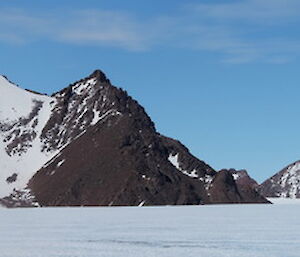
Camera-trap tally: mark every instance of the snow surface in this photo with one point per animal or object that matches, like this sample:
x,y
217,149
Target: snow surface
x,y
282,200
16,103
208,231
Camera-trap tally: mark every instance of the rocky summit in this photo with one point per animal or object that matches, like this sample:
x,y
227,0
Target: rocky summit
x,y
91,144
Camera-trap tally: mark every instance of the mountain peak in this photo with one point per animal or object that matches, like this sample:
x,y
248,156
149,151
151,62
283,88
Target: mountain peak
x,y
100,75
5,79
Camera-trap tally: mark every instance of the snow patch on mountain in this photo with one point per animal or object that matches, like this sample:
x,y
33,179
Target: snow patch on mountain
x,y
207,179
173,159
20,130
60,163
97,116
236,176
83,87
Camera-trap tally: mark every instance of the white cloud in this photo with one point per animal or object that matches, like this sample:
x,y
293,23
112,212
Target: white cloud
x,y
240,31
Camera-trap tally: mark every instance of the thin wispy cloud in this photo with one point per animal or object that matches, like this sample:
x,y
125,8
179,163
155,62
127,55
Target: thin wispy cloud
x,y
249,30
87,27
97,27
253,11
239,31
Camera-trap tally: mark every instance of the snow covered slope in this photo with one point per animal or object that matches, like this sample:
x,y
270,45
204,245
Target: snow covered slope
x,y
286,183
23,116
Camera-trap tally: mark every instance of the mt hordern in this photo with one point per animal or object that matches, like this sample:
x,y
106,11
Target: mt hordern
x,y
91,144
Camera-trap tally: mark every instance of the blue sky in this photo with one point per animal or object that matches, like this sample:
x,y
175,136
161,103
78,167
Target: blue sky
x,y
220,76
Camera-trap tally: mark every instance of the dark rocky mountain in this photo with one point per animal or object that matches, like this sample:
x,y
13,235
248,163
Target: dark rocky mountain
x,y
246,185
242,178
91,144
285,183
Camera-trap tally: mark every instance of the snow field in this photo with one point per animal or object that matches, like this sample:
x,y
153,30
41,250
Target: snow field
x,y
209,231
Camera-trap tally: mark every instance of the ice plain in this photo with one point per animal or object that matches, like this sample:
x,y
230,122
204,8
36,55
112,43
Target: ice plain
x,y
208,231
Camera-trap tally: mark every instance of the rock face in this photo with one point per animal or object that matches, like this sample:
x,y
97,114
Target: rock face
x,y
285,183
93,145
242,178
247,186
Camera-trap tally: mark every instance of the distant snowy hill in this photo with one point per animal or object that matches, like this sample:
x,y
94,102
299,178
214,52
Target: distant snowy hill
x,y
285,183
92,144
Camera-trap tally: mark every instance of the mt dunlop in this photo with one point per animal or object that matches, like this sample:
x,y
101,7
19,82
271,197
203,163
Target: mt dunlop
x,y
93,145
